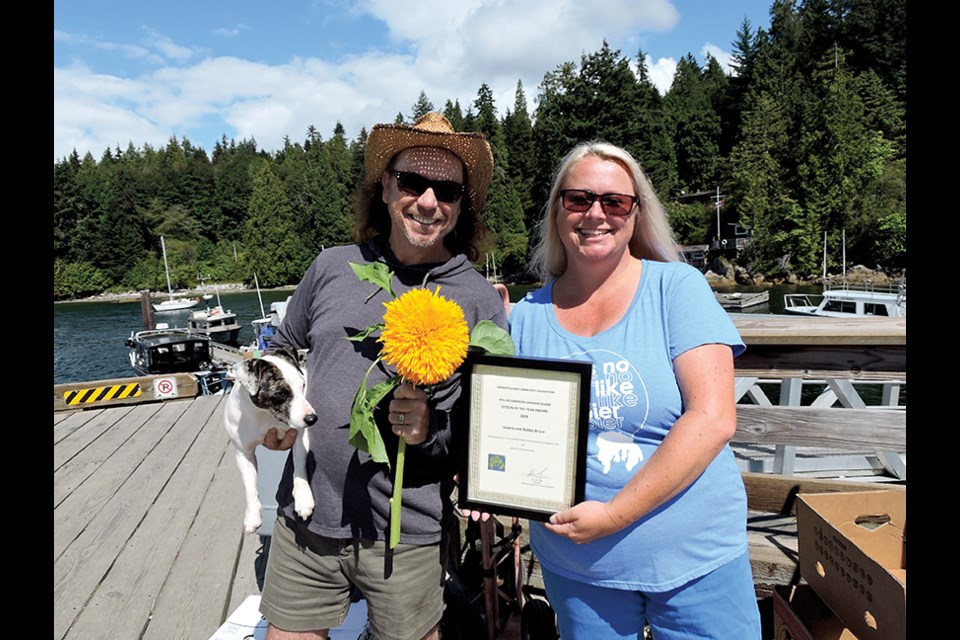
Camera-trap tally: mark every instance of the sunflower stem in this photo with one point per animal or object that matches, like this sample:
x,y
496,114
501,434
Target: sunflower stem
x,y
397,491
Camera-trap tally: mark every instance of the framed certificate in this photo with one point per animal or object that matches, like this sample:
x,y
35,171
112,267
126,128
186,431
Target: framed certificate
x,y
525,452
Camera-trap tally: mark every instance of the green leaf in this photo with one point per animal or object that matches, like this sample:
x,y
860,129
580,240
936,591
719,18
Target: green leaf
x,y
360,337
364,434
377,273
491,338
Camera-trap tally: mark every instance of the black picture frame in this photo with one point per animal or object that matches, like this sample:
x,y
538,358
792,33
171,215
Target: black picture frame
x,y
527,419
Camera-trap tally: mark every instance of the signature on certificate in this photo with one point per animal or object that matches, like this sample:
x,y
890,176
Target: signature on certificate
x,y
536,477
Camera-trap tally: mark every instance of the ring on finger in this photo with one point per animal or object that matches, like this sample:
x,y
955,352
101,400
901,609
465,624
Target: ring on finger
x,y
400,418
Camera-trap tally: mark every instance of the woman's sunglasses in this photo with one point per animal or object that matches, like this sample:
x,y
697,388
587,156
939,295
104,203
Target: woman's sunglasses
x,y
613,204
415,184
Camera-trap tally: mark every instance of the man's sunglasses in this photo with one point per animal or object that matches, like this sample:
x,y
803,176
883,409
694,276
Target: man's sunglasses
x,y
415,184
613,204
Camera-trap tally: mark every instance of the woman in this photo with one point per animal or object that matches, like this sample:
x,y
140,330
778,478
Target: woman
x,y
661,536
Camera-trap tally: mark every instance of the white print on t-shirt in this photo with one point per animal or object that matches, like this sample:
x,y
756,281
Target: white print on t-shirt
x,y
616,385
617,447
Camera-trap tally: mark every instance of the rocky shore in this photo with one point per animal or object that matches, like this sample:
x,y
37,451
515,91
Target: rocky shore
x,y
134,296
725,274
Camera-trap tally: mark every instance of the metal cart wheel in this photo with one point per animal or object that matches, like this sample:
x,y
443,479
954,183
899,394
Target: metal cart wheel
x,y
538,621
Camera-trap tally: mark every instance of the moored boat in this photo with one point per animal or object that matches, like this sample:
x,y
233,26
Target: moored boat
x,y
169,350
850,301
264,328
216,323
173,303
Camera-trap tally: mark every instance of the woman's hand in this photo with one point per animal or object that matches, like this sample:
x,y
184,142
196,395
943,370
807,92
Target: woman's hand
x,y
409,414
585,522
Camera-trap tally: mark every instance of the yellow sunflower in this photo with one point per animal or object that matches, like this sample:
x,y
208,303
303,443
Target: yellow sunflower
x,y
425,336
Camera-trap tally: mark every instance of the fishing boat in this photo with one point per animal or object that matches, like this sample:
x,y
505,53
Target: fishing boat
x,y
173,303
216,323
169,350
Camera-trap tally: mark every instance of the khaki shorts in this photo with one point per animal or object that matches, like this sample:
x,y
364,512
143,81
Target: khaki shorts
x,y
309,580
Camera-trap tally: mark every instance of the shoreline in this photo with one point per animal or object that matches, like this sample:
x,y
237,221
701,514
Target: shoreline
x,y
134,296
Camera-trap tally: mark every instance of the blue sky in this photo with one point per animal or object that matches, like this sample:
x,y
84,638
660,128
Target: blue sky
x,y
141,72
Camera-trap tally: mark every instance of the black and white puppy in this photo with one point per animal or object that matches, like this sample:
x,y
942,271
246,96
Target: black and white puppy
x,y
270,391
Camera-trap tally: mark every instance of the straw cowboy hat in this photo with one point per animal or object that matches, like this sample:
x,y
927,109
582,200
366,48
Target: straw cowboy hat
x,y
432,130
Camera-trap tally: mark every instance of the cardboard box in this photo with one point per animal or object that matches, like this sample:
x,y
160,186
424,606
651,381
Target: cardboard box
x,y
853,554
798,614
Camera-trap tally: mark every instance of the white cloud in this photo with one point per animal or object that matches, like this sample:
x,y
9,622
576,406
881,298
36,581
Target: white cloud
x,y
230,32
661,73
446,49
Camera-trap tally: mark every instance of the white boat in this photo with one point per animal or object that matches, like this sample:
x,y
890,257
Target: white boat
x,y
851,301
217,323
848,299
173,303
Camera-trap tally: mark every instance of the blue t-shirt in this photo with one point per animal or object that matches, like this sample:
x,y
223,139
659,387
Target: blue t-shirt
x,y
634,401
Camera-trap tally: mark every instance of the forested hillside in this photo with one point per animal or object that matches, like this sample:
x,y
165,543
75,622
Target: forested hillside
x,y
806,137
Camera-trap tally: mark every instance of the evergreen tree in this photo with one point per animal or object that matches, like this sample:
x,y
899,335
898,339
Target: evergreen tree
x,y
695,126
232,187
271,248
518,138
453,113
654,147
421,107
840,154
121,231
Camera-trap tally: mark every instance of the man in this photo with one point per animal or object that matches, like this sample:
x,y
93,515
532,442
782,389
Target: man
x,y
424,186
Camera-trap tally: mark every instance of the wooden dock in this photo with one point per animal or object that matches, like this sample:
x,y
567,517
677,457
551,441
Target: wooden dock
x,y
148,505
738,300
148,512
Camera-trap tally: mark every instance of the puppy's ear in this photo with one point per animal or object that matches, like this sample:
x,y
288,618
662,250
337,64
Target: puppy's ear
x,y
289,354
247,373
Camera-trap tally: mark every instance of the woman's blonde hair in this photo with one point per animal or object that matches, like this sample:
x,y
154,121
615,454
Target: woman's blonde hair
x,y
652,236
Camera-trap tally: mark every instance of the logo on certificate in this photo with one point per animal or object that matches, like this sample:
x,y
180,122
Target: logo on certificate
x,y
496,462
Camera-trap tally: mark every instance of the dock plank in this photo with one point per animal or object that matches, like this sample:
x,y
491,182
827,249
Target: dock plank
x,y
80,459
252,554
84,502
111,517
66,422
209,556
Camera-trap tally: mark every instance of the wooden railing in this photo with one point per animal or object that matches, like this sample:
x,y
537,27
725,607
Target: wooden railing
x,y
840,357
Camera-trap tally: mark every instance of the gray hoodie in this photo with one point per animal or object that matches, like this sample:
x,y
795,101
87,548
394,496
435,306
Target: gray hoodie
x,y
352,492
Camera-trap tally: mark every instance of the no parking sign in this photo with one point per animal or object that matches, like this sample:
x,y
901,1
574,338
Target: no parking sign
x,y
165,387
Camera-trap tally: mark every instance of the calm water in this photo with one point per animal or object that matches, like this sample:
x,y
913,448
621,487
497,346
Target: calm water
x,y
88,336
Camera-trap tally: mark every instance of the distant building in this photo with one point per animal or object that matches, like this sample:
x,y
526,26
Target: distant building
x,y
695,254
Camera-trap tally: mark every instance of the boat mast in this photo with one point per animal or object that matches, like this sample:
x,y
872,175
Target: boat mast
x,y
263,314
824,259
844,254
166,267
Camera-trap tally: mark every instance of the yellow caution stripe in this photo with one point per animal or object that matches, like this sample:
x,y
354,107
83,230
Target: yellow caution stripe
x,y
113,392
